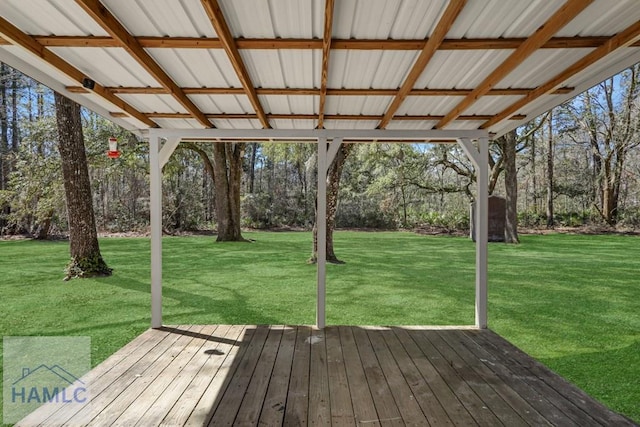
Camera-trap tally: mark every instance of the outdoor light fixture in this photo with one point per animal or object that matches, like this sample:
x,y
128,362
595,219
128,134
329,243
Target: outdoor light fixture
x,y
88,83
113,152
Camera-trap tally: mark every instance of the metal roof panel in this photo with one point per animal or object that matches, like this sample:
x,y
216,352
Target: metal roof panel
x,y
602,18
186,67
283,68
383,19
369,69
542,66
497,18
428,105
286,104
160,18
350,124
222,104
293,124
55,17
460,69
347,105
107,66
274,18
154,103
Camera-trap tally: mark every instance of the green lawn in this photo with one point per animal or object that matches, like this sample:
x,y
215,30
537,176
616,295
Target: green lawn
x,y
570,301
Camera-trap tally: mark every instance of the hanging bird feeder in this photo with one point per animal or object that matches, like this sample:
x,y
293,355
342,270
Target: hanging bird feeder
x,y
113,152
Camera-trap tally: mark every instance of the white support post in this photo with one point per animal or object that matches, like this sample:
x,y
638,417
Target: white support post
x,y
480,158
482,233
156,231
322,233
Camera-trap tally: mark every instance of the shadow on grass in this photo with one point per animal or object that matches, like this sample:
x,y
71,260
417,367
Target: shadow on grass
x,y
222,311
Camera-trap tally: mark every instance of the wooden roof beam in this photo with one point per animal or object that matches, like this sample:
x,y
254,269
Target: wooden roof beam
x,y
222,30
625,38
326,50
336,44
16,37
560,18
431,46
110,24
316,92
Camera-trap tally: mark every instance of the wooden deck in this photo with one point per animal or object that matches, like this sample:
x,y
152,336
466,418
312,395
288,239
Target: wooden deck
x,y
276,375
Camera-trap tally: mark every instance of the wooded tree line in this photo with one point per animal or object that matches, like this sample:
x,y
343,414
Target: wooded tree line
x,y
578,164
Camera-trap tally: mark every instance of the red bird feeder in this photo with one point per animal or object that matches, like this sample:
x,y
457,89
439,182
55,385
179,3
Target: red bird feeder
x,y
113,152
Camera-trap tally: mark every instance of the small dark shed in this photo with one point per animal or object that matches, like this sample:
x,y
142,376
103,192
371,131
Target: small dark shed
x,y
497,218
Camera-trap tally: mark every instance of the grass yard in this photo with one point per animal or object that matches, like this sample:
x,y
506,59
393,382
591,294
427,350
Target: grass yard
x,y
570,301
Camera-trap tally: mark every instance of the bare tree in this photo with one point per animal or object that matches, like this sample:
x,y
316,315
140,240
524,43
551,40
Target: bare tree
x,y
508,145
610,121
86,259
550,157
334,174
226,171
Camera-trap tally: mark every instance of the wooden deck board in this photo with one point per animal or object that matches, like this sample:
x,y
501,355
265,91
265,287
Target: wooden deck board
x,y
420,389
480,384
341,376
210,398
364,408
388,413
254,396
276,398
474,404
215,351
339,393
456,411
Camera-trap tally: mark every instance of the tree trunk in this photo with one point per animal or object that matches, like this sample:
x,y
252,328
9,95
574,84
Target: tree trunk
x,y
42,229
227,171
86,259
252,166
333,186
511,188
15,129
550,218
4,142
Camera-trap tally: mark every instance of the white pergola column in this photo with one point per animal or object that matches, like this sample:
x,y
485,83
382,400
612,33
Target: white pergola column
x,y
321,262
326,154
155,171
158,157
479,156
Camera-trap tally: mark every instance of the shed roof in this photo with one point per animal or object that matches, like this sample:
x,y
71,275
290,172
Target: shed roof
x,y
304,64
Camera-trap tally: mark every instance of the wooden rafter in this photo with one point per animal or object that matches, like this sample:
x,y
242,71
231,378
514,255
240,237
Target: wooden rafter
x,y
560,18
110,24
624,38
312,92
336,44
433,43
326,51
19,38
229,44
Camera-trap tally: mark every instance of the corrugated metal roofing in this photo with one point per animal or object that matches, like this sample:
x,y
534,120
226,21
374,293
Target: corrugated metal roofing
x,y
278,68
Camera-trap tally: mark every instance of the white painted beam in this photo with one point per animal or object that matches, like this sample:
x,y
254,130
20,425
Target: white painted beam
x,y
334,146
167,150
156,231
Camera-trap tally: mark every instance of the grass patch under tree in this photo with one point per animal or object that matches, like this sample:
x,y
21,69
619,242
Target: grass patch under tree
x,y
570,301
